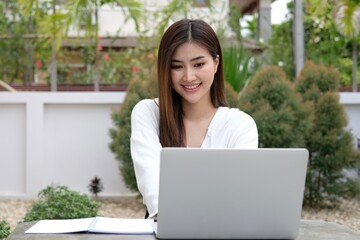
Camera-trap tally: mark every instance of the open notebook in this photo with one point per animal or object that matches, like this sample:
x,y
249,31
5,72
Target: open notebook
x,y
94,225
231,193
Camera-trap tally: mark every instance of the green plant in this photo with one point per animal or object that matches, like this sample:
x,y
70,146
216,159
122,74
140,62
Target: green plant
x,y
345,75
176,9
323,42
4,229
58,202
346,16
329,143
281,54
15,50
236,64
121,66
96,186
236,58
281,118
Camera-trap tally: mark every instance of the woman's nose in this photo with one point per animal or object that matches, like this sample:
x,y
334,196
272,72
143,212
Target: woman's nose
x,y
189,75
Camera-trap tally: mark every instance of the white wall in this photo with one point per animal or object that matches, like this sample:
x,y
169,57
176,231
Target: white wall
x,y
59,138
351,103
12,148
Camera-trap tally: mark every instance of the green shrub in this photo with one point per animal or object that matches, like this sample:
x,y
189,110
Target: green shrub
x,y
120,145
315,80
58,202
281,118
330,145
138,89
308,115
4,229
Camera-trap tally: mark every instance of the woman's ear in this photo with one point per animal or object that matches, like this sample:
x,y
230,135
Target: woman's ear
x,y
216,63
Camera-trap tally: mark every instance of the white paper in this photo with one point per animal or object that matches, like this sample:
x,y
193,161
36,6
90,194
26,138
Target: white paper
x,y
96,225
61,226
122,225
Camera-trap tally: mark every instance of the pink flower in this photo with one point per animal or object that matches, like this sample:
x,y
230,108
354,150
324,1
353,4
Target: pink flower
x,y
99,47
150,56
135,69
38,64
106,57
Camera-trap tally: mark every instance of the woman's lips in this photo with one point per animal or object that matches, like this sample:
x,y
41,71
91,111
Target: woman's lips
x,y
191,87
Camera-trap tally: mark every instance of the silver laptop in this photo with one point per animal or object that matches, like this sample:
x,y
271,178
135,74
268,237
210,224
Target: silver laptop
x,y
231,193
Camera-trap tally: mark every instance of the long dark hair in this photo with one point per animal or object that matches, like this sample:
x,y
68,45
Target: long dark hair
x,y
171,129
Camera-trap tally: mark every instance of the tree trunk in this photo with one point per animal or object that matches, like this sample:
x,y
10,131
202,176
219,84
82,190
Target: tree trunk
x,y
354,66
96,64
298,37
53,80
29,47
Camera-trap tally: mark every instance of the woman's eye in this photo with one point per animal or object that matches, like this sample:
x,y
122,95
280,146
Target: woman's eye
x,y
198,65
175,66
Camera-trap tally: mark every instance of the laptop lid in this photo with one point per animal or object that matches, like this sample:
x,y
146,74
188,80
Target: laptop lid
x,y
231,193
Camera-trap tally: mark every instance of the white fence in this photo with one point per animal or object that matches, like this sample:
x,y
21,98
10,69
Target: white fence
x,y
351,103
59,138
63,138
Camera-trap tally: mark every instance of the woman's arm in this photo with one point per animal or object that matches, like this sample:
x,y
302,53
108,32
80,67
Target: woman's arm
x,y
245,134
145,151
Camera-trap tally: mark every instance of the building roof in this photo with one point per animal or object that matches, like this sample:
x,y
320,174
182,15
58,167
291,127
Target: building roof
x,y
246,7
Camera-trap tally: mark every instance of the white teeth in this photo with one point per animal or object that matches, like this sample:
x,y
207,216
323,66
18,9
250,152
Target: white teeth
x,y
191,86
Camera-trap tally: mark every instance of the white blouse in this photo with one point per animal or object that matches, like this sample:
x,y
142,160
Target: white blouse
x,y
229,128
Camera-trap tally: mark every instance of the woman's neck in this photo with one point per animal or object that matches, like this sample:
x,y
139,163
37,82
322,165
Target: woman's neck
x,y
197,118
198,111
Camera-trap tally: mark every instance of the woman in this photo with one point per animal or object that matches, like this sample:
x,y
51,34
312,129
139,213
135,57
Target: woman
x,y
191,109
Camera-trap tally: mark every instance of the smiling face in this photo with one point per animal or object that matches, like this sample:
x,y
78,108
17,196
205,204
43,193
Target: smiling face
x,y
192,73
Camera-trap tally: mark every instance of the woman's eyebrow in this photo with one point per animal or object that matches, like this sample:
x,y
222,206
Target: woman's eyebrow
x,y
191,60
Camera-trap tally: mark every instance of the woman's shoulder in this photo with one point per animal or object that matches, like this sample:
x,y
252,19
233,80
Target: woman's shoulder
x,y
147,103
146,106
233,113
233,118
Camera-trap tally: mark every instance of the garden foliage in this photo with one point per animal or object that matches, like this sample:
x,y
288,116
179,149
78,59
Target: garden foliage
x,y
306,114
323,43
58,202
330,144
237,58
281,119
4,229
14,49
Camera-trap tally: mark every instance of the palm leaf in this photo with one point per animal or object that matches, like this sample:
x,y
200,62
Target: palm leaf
x,y
236,65
347,18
